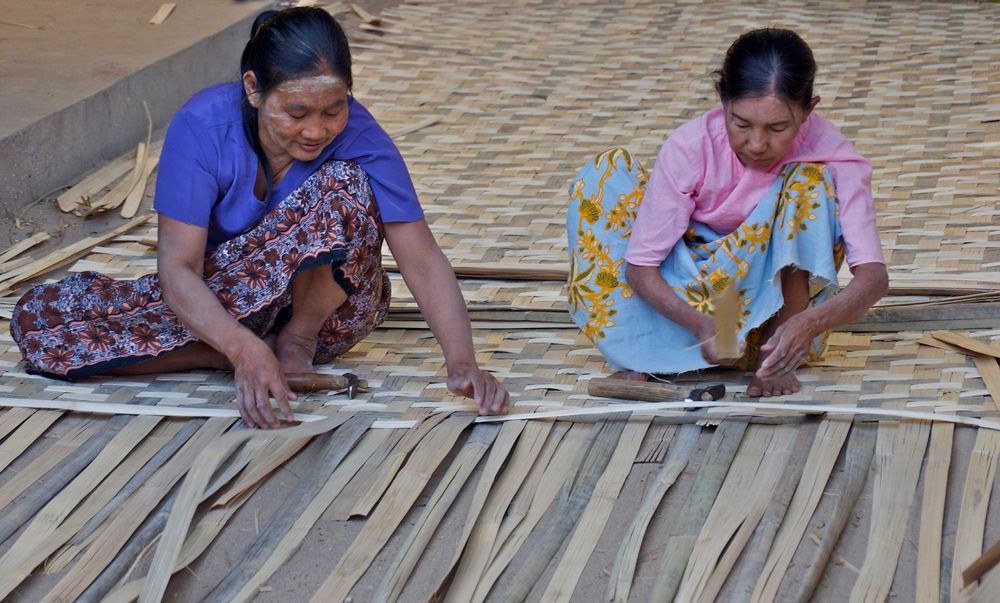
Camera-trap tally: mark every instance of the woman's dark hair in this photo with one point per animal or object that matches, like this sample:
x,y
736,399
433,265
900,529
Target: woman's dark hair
x,y
289,44
768,61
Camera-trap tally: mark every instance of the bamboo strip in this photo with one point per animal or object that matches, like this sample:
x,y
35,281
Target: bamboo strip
x,y
830,437
745,494
253,475
932,513
899,451
18,248
410,550
480,545
966,343
989,370
39,494
12,419
684,534
742,409
92,184
366,16
381,479
191,412
726,318
133,513
562,467
59,257
755,556
46,461
47,531
25,435
192,490
211,523
134,198
499,452
162,13
85,535
573,499
299,512
117,195
340,510
975,502
842,494
679,453
397,501
520,506
595,516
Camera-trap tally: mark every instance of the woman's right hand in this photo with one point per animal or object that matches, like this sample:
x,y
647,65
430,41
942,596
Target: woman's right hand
x,y
705,332
258,377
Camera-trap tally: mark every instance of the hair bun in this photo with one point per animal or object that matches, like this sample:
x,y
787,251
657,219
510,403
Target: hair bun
x,y
264,16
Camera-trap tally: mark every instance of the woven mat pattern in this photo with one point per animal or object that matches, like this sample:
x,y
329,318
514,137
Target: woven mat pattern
x,y
527,91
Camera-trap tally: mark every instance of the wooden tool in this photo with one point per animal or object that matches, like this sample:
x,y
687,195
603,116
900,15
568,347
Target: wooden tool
x,y
316,382
626,389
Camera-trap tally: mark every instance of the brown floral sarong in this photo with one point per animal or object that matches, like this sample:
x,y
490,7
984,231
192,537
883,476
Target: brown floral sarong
x,y
90,323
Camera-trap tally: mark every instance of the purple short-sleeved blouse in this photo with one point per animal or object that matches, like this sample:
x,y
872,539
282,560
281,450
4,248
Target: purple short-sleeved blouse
x,y
207,168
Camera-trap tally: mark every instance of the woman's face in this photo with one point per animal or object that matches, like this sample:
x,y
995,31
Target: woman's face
x,y
298,118
762,129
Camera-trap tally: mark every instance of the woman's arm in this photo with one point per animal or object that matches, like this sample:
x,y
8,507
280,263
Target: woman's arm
x,y
787,347
429,276
649,284
180,262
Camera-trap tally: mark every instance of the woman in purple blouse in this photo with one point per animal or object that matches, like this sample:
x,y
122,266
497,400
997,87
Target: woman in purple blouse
x,y
274,195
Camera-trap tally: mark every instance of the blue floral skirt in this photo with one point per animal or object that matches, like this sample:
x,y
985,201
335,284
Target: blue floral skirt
x,y
794,225
90,323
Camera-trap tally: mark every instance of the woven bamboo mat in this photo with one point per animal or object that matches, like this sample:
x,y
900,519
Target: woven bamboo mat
x,y
524,93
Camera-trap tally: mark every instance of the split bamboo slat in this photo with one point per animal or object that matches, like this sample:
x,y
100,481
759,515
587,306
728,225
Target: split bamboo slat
x,y
684,534
745,494
559,471
45,462
726,318
755,555
899,452
12,419
162,13
18,248
88,533
381,478
25,435
208,458
36,542
405,488
830,437
573,499
595,516
520,506
932,513
93,184
131,514
499,453
283,534
480,545
975,502
62,256
842,494
410,550
678,455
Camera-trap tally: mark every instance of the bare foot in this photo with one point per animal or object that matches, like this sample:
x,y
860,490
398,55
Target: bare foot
x,y
773,386
630,375
295,352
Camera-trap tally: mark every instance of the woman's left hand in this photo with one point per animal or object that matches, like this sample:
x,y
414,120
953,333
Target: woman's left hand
x,y
481,386
787,347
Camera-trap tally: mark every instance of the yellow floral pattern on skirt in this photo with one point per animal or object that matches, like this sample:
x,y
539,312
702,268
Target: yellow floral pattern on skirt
x,y
604,201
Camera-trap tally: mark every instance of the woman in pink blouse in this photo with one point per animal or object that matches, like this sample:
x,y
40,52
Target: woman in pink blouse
x,y
760,193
